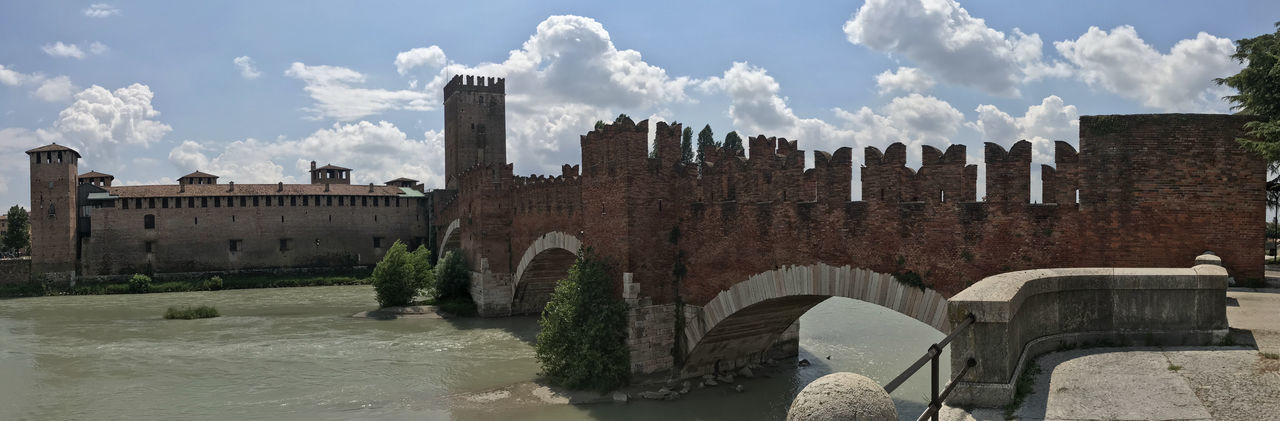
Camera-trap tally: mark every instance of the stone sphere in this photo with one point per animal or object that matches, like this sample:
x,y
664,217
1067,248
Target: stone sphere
x,y
842,396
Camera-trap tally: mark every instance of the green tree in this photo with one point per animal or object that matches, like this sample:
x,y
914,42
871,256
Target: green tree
x,y
599,124
18,236
583,342
706,139
424,276
394,281
453,279
686,146
733,143
620,118
1258,92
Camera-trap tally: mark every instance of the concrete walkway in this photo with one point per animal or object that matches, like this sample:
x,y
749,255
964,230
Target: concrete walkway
x,y
1178,383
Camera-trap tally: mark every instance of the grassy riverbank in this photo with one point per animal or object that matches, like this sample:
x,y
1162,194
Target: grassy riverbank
x,y
230,281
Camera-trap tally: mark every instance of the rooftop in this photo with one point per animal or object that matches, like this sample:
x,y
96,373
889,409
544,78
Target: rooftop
x,y
95,174
53,148
196,190
198,174
331,167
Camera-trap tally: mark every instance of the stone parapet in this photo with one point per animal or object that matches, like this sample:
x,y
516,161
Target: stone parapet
x,y
1020,315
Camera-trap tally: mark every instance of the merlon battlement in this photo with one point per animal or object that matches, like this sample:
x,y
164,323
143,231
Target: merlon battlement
x,y
469,83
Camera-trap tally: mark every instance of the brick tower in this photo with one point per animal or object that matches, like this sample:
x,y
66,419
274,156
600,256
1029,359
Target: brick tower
x,y
475,124
53,210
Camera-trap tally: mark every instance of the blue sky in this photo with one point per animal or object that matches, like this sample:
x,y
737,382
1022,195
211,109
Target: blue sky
x,y
253,91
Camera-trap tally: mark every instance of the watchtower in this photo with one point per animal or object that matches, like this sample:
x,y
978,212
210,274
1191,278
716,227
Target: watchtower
x,y
475,124
53,209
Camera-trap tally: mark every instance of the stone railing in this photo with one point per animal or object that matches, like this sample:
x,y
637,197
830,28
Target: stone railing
x,y
1021,315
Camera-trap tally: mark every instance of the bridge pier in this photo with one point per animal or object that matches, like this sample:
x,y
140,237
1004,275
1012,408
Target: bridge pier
x,y
491,291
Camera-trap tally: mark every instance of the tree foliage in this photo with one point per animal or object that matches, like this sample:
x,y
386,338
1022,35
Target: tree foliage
x,y
686,146
706,139
583,342
453,279
17,237
1258,92
394,280
733,142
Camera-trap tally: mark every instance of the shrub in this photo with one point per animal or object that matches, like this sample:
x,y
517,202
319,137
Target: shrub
x,y
582,344
139,283
213,284
452,278
188,313
393,277
424,276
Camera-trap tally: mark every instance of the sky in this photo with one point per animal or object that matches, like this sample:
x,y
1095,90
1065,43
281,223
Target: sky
x,y
254,91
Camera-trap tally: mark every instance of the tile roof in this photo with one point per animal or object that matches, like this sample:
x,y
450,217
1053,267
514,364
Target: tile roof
x,y
332,167
198,174
402,179
95,174
196,190
54,147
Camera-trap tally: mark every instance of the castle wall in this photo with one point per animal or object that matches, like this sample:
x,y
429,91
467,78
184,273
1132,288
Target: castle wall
x,y
199,239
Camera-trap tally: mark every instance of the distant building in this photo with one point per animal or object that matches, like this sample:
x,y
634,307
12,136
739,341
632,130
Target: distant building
x,y
82,225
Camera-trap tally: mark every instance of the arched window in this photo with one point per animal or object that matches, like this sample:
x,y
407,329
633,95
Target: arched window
x,y
51,211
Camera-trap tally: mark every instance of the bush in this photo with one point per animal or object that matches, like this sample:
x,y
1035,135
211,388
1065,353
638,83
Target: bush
x,y
189,313
424,276
393,277
213,284
583,342
139,283
453,279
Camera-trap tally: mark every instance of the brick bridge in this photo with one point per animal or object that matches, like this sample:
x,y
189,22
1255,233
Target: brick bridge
x,y
764,239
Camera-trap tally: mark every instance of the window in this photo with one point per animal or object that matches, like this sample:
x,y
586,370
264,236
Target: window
x,y
268,200
231,202
204,202
164,203
177,202
191,202
124,204
235,245
52,212
377,242
340,200
149,222
284,244
397,202
150,246
281,219
233,218
375,202
255,201
293,200
242,201
329,201
364,201
195,221
304,200
217,202
137,203
280,201
151,203
375,218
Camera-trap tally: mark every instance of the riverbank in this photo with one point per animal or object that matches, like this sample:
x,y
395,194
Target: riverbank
x,y
1240,381
224,282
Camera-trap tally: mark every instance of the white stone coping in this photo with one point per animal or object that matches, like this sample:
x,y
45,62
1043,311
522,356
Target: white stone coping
x,y
996,299
551,240
820,279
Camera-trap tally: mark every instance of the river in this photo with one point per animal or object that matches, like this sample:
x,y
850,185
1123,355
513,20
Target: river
x,y
296,354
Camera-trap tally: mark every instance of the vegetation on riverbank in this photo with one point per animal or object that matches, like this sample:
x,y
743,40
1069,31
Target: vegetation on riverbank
x,y
190,313
401,276
213,283
583,342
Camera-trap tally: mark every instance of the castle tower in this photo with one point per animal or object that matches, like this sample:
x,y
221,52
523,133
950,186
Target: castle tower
x,y
475,124
53,210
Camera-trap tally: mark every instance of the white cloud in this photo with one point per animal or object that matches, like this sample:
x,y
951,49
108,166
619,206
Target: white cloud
x,y
331,88
1121,62
101,10
99,121
55,89
947,42
377,152
13,163
11,77
245,64
58,49
1041,124
904,80
432,57
98,48
756,107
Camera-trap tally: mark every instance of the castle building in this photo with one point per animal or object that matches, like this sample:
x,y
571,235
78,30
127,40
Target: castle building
x,y
83,226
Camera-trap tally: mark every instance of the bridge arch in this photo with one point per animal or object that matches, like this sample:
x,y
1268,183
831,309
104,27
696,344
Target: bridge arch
x,y
740,324
452,238
546,261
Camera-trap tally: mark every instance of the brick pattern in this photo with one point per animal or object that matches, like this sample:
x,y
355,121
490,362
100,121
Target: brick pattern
x,y
15,271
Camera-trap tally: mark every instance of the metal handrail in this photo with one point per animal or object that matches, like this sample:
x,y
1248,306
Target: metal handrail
x,y
931,356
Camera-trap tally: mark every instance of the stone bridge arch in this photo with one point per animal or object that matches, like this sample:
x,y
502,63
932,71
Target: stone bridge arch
x,y
741,324
452,238
544,262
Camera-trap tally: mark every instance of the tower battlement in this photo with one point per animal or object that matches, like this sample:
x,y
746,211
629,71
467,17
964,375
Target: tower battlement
x,y
470,83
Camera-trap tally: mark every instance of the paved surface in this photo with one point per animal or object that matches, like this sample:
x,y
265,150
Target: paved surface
x,y
1178,383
